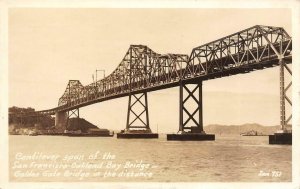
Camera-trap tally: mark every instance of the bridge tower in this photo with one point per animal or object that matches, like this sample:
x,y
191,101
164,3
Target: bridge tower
x,y
190,113
144,123
284,135
137,124
73,114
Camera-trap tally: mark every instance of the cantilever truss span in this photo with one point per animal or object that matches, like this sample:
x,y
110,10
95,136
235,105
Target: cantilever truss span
x,y
143,70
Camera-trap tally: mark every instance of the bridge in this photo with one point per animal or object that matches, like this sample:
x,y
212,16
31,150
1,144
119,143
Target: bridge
x,y
143,70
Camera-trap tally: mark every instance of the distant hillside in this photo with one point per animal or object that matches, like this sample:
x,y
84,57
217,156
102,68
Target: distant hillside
x,y
39,120
238,129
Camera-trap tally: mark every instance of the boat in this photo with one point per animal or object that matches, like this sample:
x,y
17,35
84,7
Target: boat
x,y
32,133
252,133
90,133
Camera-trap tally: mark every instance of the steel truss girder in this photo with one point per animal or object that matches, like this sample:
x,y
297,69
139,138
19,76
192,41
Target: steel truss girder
x,y
142,69
135,99
71,93
195,98
244,48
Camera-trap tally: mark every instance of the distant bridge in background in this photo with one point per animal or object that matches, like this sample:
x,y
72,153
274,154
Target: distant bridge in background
x,y
142,70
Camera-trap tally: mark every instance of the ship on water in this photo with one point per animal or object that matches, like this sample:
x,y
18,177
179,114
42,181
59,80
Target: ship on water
x,y
252,133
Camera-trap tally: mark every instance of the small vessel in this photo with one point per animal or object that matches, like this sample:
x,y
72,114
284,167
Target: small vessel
x,y
32,133
91,133
252,133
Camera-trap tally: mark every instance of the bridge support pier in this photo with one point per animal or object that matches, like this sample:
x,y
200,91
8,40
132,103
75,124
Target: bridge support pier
x,y
283,136
190,122
61,119
137,125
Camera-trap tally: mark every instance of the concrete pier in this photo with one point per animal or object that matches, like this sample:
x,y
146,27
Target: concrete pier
x,y
280,138
137,134
61,119
191,137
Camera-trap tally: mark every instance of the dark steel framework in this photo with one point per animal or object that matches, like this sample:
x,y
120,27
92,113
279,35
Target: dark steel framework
x,y
195,116
140,120
284,121
143,70
73,114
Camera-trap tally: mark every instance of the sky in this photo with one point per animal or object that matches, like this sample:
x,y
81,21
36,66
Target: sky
x,y
48,47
